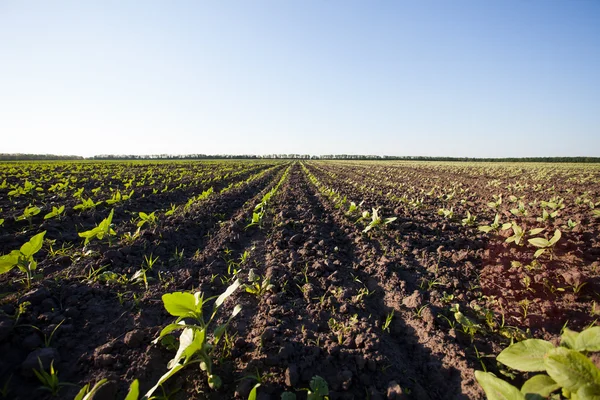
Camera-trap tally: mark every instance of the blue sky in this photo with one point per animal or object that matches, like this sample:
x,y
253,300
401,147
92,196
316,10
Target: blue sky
x,y
450,78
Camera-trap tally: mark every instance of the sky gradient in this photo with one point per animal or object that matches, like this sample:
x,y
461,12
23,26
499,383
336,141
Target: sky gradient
x,y
421,78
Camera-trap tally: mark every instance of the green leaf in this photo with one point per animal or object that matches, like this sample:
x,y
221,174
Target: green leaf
x,y
542,385
254,392
539,252
134,391
571,369
497,389
168,329
536,231
187,347
91,393
485,228
34,245
527,355
319,385
539,242
589,392
9,261
555,238
180,304
569,338
588,340
232,288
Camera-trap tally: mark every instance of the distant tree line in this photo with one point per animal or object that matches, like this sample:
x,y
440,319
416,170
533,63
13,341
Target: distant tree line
x,y
25,157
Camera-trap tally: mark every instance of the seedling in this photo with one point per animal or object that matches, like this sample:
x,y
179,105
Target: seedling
x,y
28,214
88,204
117,197
194,346
104,228
256,286
446,213
23,258
469,220
388,321
544,244
495,226
376,220
50,380
150,219
56,211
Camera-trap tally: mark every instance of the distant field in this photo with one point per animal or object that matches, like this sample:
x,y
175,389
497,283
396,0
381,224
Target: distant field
x,y
366,273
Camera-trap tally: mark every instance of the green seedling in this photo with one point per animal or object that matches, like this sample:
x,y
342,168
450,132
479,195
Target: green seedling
x,y
171,210
469,220
376,220
101,230
23,258
150,219
117,197
565,368
319,389
56,211
570,224
519,211
50,380
546,216
495,226
446,213
86,394
88,204
494,205
194,346
256,285
544,244
388,321
28,214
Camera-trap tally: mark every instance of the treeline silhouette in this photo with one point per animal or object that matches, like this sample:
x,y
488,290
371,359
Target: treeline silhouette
x,y
49,157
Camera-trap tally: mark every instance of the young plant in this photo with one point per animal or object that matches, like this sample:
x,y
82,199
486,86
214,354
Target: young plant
x,y
88,204
150,219
446,213
194,346
23,258
495,226
117,197
544,244
28,214
50,380
256,285
103,229
469,220
56,211
566,368
376,220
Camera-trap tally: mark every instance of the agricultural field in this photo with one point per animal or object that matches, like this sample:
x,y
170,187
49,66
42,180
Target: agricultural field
x,y
272,279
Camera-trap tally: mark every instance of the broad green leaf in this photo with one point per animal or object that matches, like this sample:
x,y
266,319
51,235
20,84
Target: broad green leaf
x,y
134,391
34,245
571,369
589,392
569,338
232,288
588,340
555,238
8,261
536,231
497,389
539,242
485,229
180,304
527,355
143,215
542,385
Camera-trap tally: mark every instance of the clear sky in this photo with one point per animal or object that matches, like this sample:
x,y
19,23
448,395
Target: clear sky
x,y
488,78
